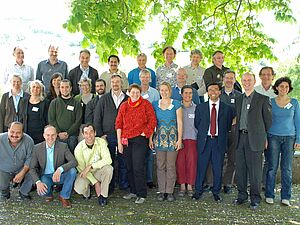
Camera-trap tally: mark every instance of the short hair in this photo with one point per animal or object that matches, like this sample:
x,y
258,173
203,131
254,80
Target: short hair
x,y
144,71
134,86
15,123
181,69
267,68
52,45
168,85
281,80
229,71
50,126
186,87
216,52
85,51
113,56
214,83
101,80
38,82
51,88
115,75
141,55
249,73
15,75
85,79
88,125
66,81
196,52
169,47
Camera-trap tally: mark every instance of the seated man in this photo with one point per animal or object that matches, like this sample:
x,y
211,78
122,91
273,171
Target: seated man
x,y
94,166
53,163
15,155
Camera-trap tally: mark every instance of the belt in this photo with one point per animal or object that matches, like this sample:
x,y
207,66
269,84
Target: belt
x,y
211,137
244,131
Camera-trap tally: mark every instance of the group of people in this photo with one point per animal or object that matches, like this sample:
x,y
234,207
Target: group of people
x,y
72,128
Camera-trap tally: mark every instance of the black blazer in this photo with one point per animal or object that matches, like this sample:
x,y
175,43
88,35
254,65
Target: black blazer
x,y
74,76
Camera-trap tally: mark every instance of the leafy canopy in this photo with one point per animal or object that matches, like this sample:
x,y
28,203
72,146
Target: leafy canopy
x,y
228,25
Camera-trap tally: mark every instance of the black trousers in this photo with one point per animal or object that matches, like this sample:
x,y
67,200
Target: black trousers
x,y
135,159
248,163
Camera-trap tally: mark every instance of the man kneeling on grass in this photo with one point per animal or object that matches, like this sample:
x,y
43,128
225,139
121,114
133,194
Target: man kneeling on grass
x,y
94,166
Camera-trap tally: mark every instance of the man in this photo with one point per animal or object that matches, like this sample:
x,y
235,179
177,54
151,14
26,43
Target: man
x,y
53,163
254,118
105,115
65,114
113,62
181,78
134,75
151,94
228,96
15,156
195,73
215,73
94,166
48,67
213,121
100,86
84,70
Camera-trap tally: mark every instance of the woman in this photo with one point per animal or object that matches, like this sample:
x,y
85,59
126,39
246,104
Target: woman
x,y
283,137
186,163
167,72
135,123
54,86
36,117
167,140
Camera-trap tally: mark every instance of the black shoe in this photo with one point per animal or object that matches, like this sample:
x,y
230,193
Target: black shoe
x,y
254,205
24,197
227,190
4,198
239,201
207,188
150,185
196,196
57,188
217,198
102,200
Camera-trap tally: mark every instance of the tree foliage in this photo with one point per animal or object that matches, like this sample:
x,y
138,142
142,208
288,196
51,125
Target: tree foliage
x,y
228,25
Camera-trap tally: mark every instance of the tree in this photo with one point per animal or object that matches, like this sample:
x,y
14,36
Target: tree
x,y
228,25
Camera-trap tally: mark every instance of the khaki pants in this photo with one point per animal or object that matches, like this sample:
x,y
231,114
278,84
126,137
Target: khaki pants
x,y
103,175
166,171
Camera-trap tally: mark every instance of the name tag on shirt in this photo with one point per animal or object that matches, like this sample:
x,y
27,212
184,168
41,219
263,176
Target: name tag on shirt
x,y
232,100
169,75
145,96
35,109
70,107
248,106
191,116
288,106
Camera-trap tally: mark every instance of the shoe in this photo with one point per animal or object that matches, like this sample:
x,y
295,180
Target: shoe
x,y
190,193
129,196
57,187
227,189
150,185
161,197
196,196
285,202
207,188
181,193
217,198
88,197
140,200
65,202
254,205
49,199
239,201
24,197
102,200
270,200
170,198
4,198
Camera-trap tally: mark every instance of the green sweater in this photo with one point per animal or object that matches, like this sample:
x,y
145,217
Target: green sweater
x,y
66,117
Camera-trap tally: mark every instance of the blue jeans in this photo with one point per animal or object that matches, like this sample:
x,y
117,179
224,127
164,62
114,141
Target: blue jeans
x,y
149,164
66,179
280,146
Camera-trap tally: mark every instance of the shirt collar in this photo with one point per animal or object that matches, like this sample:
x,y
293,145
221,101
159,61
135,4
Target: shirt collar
x,y
217,102
51,148
21,94
87,69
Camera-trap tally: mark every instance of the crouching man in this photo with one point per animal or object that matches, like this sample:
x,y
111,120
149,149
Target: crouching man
x,y
53,163
94,166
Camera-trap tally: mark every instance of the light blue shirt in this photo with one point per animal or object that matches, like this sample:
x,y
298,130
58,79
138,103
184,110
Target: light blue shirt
x,y
49,169
176,94
85,72
151,95
16,98
134,77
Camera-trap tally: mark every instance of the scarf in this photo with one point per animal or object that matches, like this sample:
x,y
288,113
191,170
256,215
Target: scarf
x,y
136,103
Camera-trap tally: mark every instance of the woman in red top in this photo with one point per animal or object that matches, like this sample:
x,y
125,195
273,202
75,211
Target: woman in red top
x,y
135,123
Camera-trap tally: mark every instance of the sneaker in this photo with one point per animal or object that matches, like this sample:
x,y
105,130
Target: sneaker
x,y
270,200
171,198
129,196
24,197
161,197
140,200
181,193
285,202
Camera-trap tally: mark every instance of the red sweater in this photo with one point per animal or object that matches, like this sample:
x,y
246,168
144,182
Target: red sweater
x,y
133,121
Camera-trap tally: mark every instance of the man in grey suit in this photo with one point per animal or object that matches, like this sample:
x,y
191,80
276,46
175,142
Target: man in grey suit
x,y
254,118
53,163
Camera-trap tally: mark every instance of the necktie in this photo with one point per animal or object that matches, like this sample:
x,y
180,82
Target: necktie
x,y
213,123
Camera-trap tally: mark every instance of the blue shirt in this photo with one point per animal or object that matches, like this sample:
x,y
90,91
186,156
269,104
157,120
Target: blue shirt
x,y
49,169
134,77
151,95
16,98
286,120
176,94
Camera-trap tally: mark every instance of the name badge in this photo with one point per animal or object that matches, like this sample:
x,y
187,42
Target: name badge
x,y
191,116
170,107
288,106
35,109
232,100
248,106
145,96
70,107
169,75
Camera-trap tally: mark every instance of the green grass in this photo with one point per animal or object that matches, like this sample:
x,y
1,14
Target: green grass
x,y
120,211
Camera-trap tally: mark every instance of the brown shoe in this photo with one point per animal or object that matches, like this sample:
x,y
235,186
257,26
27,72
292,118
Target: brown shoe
x,y
49,199
65,202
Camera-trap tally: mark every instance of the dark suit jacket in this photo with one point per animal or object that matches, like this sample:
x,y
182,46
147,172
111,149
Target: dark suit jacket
x,y
62,157
75,74
202,123
259,120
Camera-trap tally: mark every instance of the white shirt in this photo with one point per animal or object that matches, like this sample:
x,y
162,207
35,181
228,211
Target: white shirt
x,y
217,110
261,90
117,99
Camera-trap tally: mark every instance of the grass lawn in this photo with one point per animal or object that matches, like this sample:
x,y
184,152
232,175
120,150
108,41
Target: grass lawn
x,y
120,211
